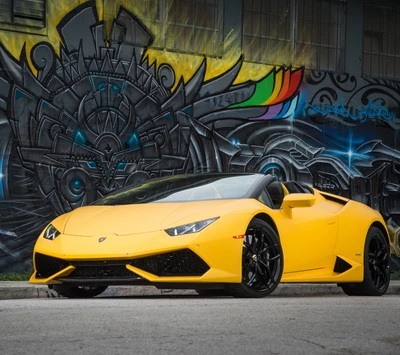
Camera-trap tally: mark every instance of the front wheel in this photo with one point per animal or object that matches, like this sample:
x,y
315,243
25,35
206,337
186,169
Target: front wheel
x,y
262,262
79,291
376,267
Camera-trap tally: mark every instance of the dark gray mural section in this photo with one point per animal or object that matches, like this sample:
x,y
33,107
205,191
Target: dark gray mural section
x,y
359,123
100,117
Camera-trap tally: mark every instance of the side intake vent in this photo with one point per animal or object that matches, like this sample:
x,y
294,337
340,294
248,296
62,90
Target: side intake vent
x,y
341,266
334,199
177,263
47,265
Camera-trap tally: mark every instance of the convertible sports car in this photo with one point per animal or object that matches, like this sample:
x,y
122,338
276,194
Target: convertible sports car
x,y
230,234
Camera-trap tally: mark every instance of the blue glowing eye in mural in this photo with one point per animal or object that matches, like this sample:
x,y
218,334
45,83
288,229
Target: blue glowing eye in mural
x,y
101,86
116,88
77,186
121,166
80,137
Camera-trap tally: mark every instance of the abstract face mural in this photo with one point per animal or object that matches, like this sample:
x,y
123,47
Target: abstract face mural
x,y
99,117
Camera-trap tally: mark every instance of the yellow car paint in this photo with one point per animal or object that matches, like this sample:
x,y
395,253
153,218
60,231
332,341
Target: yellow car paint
x,y
313,231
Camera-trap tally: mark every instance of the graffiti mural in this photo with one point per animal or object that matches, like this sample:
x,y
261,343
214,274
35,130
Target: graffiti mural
x,y
362,114
99,116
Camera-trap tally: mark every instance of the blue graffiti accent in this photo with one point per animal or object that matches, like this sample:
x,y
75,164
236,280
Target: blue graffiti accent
x,y
92,164
116,88
299,113
79,138
2,176
121,166
187,110
133,142
285,112
372,111
348,153
269,167
235,142
19,94
101,86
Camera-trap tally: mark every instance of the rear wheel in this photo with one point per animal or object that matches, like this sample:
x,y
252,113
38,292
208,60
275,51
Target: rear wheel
x,y
376,267
79,291
262,262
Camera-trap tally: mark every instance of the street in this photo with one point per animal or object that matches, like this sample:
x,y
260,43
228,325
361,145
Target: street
x,y
196,325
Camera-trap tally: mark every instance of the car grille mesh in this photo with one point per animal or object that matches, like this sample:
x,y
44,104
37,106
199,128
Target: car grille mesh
x,y
100,269
47,265
177,263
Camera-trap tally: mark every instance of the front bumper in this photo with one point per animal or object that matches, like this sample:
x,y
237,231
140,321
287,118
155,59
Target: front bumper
x,y
210,256
183,263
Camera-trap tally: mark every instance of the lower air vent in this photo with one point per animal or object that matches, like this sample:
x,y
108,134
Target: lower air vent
x,y
341,266
47,265
100,269
177,263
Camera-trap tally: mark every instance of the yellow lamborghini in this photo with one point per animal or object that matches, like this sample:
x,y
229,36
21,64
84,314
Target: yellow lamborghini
x,y
231,234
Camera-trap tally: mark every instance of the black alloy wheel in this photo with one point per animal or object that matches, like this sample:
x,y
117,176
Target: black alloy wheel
x,y
79,291
262,261
376,267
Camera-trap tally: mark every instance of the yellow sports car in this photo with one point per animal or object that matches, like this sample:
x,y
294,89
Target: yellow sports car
x,y
231,234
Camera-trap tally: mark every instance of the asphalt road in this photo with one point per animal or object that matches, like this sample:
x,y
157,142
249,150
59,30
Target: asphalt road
x,y
195,325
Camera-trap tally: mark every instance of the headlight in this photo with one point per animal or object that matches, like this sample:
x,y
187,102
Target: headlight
x,y
51,232
190,228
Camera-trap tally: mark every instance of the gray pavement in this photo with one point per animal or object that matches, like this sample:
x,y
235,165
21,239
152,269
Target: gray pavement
x,y
187,325
24,290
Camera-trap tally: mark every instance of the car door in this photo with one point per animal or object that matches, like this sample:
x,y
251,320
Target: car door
x,y
308,233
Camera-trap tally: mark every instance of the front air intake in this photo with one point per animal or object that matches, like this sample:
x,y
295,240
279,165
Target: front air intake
x,y
177,263
48,265
100,269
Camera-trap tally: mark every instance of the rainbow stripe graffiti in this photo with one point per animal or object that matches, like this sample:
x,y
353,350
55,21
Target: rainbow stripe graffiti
x,y
275,91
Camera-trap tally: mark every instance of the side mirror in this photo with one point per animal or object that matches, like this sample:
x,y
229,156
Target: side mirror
x,y
295,201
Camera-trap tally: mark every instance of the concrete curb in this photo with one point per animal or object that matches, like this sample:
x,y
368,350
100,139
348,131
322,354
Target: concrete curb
x,y
23,290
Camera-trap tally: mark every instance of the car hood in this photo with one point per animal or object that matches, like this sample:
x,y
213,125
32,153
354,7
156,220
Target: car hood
x,y
141,218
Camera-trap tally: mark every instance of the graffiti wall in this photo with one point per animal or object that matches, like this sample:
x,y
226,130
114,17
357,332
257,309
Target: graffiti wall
x,y
98,114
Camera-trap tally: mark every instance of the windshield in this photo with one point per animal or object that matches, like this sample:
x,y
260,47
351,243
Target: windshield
x,y
184,188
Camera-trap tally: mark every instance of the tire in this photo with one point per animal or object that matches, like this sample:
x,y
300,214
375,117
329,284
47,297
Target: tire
x,y
212,292
262,262
376,267
79,291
